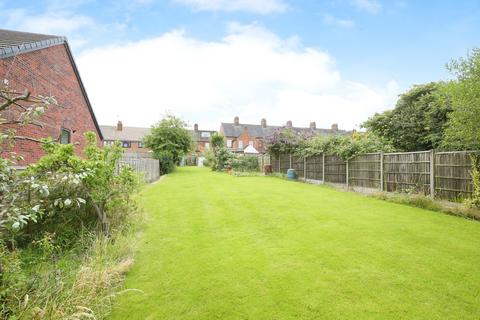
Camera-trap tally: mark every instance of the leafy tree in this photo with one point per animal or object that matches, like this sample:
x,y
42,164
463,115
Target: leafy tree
x,y
418,120
220,157
463,131
169,140
285,140
217,140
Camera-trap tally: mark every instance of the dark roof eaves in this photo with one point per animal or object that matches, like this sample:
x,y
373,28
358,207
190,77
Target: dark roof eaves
x,y
30,46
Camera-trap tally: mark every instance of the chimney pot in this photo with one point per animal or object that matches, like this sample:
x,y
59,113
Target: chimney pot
x,y
313,125
289,124
119,126
236,121
335,127
195,127
264,123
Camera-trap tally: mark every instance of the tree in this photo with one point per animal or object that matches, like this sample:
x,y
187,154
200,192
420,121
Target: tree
x,y
463,131
418,120
169,140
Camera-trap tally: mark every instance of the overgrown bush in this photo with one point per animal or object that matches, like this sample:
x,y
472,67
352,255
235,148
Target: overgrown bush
x,y
220,157
475,173
51,215
245,163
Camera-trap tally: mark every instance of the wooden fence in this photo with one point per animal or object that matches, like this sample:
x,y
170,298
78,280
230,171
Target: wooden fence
x,y
148,168
444,175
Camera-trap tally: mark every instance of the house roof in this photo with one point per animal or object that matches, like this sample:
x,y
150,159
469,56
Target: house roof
x,y
256,130
13,43
126,134
202,135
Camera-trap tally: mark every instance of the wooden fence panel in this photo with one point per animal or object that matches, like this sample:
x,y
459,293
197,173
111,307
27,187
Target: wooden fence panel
x,y
452,175
365,171
314,168
298,164
284,163
274,161
407,172
335,169
149,168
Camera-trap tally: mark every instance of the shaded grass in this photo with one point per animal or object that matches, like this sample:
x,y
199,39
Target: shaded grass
x,y
220,247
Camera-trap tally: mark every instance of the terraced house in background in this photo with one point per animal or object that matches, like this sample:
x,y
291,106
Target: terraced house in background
x,y
43,65
239,136
131,138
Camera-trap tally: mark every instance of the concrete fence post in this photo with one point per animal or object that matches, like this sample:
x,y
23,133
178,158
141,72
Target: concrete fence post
x,y
381,171
432,173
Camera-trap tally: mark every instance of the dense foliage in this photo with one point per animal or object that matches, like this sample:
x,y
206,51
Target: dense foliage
x,y
169,140
463,131
219,158
346,147
54,209
284,140
245,163
418,120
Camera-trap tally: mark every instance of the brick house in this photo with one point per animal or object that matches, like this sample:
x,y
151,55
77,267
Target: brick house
x,y
239,135
202,139
44,65
130,137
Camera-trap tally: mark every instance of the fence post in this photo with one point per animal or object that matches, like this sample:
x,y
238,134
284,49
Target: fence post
x,y
305,168
323,167
381,171
346,173
279,166
432,174
290,162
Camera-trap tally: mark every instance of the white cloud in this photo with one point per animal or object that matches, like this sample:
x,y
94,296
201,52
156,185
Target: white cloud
x,y
251,73
372,6
255,6
59,22
344,23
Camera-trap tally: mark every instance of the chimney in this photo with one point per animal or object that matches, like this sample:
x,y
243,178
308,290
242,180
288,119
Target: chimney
x,y
313,125
264,123
195,127
236,121
335,127
119,126
289,124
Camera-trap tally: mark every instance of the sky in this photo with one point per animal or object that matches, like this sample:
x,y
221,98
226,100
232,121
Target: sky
x,y
206,61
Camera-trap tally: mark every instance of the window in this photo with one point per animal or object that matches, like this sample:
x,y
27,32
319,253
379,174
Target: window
x,y
229,143
141,145
207,145
65,136
126,144
205,134
240,144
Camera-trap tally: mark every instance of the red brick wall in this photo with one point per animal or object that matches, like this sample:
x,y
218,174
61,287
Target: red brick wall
x,y
49,72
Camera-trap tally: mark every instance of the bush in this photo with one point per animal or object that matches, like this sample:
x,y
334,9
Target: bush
x,y
53,215
245,163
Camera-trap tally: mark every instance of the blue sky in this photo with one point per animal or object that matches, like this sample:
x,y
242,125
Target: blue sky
x,y
361,53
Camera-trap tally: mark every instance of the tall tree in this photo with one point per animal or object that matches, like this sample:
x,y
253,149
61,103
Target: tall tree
x,y
463,131
418,120
169,141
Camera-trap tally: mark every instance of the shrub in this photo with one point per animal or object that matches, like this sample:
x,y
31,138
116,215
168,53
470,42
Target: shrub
x,y
245,163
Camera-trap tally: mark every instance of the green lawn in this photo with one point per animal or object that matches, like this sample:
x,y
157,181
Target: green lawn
x,y
221,247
